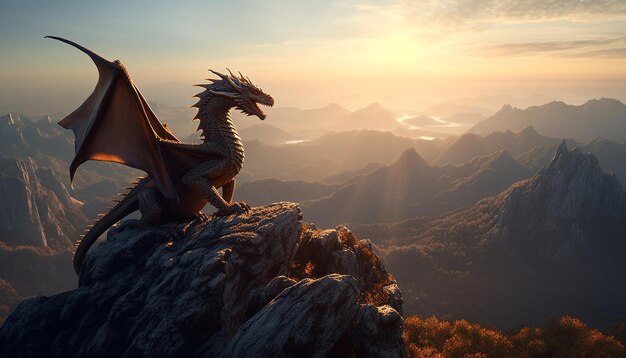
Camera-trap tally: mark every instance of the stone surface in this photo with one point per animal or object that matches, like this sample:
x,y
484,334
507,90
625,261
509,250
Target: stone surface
x,y
257,284
311,316
378,332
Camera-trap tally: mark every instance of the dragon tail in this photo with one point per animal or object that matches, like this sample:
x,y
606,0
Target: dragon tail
x,y
126,204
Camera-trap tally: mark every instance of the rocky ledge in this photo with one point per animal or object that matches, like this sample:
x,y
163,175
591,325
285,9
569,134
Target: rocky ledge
x,y
262,284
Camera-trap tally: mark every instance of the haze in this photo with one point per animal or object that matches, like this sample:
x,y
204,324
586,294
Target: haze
x,y
405,55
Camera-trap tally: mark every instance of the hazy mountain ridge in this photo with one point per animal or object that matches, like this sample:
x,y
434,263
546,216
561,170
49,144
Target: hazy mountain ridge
x,y
328,155
603,117
468,146
411,187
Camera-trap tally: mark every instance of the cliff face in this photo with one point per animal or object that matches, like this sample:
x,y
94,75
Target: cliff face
x,y
36,209
260,284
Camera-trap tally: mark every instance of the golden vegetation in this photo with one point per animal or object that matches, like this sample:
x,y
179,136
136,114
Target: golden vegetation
x,y
566,337
375,294
372,275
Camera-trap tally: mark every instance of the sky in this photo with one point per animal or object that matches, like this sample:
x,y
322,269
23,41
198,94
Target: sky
x,y
406,55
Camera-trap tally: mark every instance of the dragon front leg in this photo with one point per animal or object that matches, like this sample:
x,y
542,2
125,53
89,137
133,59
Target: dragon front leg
x,y
200,179
228,191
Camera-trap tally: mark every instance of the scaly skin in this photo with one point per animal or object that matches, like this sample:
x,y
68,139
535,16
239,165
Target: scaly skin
x,y
199,185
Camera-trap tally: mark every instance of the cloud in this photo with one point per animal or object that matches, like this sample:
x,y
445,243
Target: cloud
x,y
477,13
610,53
566,48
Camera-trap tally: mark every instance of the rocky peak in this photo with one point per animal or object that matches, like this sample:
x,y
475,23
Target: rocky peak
x,y
410,158
604,103
261,284
500,160
560,208
568,162
14,119
529,133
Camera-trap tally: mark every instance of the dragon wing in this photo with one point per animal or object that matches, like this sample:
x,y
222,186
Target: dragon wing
x,y
115,124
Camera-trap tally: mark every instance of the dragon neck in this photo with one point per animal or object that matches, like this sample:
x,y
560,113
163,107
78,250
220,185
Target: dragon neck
x,y
217,126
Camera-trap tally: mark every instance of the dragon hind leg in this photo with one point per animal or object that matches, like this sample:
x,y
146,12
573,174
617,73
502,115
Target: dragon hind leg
x,y
150,205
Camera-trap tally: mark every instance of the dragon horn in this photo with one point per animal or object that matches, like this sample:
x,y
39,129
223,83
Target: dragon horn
x,y
219,74
232,80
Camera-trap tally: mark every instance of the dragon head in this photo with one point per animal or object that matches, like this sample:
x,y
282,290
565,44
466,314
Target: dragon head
x,y
246,96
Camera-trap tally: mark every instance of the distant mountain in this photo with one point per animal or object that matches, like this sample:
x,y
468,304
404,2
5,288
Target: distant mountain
x,y
485,105
468,146
373,117
267,133
411,187
50,146
548,246
421,121
36,208
488,175
597,118
537,157
610,154
21,136
330,154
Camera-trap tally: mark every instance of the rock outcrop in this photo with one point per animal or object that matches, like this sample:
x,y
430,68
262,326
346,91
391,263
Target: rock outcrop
x,y
261,284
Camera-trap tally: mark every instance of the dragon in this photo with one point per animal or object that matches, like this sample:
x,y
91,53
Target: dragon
x,y
115,124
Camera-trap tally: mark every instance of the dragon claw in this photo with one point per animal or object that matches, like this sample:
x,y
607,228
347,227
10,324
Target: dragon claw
x,y
236,208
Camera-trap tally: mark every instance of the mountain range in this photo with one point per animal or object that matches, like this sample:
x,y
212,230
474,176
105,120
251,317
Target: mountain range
x,y
411,187
458,150
603,117
546,246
